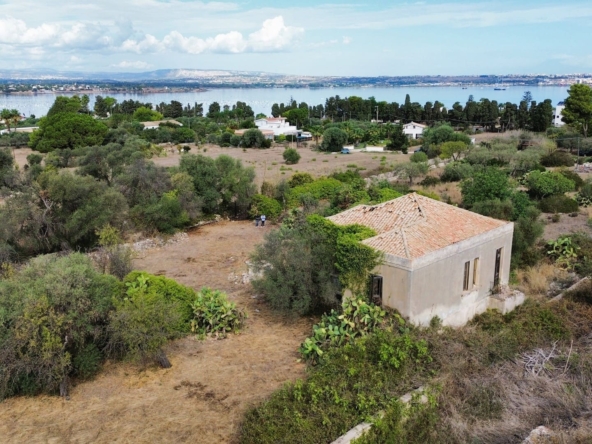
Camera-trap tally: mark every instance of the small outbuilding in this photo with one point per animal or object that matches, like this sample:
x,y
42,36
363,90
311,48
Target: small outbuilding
x,y
438,259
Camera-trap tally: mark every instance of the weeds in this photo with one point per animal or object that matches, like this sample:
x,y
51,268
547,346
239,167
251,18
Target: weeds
x,y
484,396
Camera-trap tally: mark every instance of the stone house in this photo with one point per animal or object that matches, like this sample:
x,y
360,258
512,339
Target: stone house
x,y
438,259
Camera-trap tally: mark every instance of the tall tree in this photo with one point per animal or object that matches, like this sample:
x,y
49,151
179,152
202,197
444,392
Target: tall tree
x,y
578,108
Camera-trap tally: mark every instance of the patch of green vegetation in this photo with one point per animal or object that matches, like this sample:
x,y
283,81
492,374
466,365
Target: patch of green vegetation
x,y
354,382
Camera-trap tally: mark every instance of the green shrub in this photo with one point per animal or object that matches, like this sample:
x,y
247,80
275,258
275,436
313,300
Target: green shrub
x,y
527,230
558,204
573,176
87,362
254,138
418,156
291,156
142,324
349,385
548,183
557,159
300,179
162,288
457,171
333,140
488,185
324,188
51,312
583,243
214,315
308,261
430,181
265,205
584,197
357,318
166,215
495,208
563,252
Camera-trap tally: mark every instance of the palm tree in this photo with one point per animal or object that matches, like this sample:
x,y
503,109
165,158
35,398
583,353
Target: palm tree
x,y
10,116
316,132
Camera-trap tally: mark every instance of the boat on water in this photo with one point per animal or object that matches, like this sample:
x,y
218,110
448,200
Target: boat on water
x,y
499,86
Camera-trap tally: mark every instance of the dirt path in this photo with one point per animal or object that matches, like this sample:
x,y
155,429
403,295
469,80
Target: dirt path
x,y
203,397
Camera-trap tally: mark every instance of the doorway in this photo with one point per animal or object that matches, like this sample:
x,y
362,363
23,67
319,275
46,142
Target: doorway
x,y
498,265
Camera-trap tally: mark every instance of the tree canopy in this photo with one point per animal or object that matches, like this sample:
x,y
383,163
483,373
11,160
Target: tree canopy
x,y
578,107
67,130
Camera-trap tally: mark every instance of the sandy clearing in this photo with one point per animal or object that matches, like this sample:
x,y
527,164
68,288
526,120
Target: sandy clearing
x,y
203,397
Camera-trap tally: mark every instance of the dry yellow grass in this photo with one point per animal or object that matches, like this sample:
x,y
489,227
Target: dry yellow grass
x,y
447,190
203,397
270,165
535,280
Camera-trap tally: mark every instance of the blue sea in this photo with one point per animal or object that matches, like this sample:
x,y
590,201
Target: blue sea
x,y
261,99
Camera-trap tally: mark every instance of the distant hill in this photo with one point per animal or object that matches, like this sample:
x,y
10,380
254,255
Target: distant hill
x,y
158,75
229,78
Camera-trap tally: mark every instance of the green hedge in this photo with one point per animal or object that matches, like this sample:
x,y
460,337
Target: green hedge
x,y
558,204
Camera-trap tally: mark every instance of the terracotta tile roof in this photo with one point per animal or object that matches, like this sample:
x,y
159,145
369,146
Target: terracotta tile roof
x,y
412,226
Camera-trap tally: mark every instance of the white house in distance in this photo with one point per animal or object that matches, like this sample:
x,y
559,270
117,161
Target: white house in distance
x,y
557,114
268,134
279,126
156,124
413,130
438,259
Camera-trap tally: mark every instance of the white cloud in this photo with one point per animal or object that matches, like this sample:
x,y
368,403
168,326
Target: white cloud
x,y
132,65
273,36
78,35
347,40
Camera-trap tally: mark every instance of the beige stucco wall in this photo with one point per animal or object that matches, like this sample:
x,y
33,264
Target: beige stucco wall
x,y
396,287
433,284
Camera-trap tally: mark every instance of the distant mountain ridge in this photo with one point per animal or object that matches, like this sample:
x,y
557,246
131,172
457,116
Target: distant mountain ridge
x,y
158,75
244,79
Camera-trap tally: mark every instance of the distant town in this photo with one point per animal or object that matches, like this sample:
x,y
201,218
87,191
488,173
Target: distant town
x,y
187,80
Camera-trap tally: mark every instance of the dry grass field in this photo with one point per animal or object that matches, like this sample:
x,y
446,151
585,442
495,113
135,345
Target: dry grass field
x,y
203,397
270,166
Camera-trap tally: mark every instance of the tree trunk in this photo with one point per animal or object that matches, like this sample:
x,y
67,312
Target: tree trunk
x,y
64,388
162,360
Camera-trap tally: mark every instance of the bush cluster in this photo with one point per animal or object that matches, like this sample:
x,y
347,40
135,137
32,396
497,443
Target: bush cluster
x,y
353,382
557,159
558,204
60,319
356,318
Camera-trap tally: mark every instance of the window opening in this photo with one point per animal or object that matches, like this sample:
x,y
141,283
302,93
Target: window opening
x,y
466,277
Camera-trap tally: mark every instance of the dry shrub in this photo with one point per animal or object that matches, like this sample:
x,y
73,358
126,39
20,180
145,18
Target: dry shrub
x,y
449,192
535,280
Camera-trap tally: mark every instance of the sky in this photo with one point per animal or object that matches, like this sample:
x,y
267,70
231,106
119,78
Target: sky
x,y
303,37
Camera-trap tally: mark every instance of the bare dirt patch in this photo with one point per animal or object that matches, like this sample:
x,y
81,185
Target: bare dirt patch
x,y
20,155
566,225
270,166
203,397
